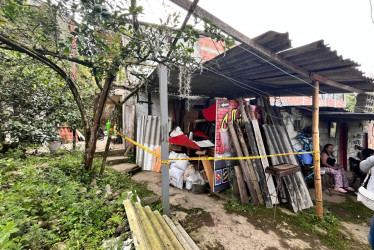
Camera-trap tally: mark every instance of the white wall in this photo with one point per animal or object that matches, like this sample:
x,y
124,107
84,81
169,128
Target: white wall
x,y
356,130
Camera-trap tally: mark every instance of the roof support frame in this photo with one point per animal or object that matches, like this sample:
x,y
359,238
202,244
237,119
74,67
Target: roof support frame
x,y
200,12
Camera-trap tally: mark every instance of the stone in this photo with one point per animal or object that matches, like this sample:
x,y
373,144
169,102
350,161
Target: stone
x,y
98,192
61,245
150,199
181,216
15,173
117,244
123,227
93,183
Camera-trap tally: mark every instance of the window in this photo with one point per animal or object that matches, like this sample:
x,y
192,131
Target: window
x,y
332,129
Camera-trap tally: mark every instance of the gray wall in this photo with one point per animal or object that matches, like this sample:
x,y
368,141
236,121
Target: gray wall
x,y
356,130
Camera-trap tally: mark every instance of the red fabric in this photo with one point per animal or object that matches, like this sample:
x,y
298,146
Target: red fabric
x,y
210,113
183,141
201,134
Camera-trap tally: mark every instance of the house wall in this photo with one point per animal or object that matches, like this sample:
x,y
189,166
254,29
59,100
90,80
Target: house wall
x,y
370,131
356,130
326,100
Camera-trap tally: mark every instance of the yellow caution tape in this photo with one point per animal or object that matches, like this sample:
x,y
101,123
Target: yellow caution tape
x,y
210,158
137,144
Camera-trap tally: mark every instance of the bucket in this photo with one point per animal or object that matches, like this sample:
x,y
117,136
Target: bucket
x,y
189,185
198,188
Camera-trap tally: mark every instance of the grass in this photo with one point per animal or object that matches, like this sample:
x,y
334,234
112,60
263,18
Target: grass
x,y
306,224
49,200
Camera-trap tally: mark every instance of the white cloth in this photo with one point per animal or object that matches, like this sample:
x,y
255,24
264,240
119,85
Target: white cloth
x,y
365,166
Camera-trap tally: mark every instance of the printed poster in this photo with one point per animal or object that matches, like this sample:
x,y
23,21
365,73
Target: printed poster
x,y
227,111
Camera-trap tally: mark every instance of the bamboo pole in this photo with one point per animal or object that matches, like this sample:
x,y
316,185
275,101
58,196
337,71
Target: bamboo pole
x,y
316,162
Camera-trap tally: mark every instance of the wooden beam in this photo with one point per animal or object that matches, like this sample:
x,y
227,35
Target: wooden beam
x,y
209,173
244,167
316,161
200,12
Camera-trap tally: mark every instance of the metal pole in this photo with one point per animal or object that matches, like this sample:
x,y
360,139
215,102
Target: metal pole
x,y
316,162
162,75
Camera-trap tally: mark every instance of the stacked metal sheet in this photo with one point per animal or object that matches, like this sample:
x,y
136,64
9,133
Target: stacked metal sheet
x,y
278,142
148,134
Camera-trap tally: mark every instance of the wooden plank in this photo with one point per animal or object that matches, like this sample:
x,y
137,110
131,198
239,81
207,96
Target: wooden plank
x,y
241,184
185,4
244,167
261,150
209,172
255,162
249,164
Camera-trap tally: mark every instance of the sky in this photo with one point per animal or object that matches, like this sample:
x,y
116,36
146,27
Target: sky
x,y
345,25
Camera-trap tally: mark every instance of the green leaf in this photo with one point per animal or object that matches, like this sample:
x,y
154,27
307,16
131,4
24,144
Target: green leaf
x,y
66,51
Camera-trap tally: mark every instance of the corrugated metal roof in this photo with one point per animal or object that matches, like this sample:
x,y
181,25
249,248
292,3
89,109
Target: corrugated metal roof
x,y
333,114
241,72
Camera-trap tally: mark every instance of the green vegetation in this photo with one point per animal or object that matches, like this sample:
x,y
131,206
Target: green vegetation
x,y
306,224
48,200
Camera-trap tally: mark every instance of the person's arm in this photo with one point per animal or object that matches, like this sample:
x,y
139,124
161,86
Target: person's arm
x,y
367,164
324,158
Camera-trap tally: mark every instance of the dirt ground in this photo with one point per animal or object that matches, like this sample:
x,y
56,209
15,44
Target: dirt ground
x,y
216,228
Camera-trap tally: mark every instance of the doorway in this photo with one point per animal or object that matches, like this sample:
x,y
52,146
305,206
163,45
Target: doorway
x,y
343,141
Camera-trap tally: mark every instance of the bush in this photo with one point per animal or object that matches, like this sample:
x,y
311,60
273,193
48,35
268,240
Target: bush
x,y
48,200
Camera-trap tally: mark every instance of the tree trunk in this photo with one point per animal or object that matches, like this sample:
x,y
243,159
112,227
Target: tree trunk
x,y
98,111
115,119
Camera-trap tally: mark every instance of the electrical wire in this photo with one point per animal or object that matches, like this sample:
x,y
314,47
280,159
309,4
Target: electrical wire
x,y
237,82
275,66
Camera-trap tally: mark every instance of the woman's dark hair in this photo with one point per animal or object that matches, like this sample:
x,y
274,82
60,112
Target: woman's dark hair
x,y
367,152
325,148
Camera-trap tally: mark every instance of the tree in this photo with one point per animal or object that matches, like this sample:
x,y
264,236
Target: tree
x,y
105,36
33,101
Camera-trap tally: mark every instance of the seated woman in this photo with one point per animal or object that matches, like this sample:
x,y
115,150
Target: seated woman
x,y
329,162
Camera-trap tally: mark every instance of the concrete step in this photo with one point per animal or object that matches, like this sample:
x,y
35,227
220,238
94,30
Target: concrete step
x,y
112,152
151,230
114,160
128,168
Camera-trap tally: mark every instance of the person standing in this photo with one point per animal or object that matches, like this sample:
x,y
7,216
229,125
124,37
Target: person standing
x,y
329,162
366,165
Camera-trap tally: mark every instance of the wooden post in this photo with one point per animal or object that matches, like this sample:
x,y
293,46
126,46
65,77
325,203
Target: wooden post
x,y
249,163
316,161
242,189
245,174
163,75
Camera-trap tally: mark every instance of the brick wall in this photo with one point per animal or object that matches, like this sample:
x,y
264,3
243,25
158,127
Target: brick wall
x,y
307,101
209,49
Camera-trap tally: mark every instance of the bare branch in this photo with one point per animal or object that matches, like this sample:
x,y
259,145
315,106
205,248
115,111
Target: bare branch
x,y
69,58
